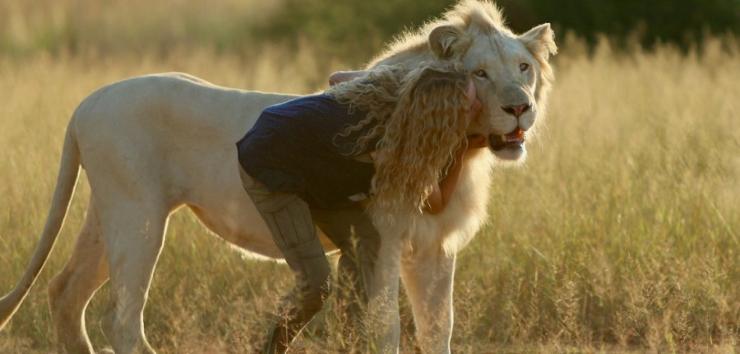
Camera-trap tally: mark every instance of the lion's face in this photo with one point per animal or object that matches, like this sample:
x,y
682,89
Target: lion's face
x,y
507,73
505,84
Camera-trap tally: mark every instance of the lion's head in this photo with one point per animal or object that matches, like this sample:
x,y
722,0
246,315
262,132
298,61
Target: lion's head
x,y
511,72
414,97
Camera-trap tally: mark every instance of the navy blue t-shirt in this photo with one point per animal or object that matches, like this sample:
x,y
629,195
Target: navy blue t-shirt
x,y
294,147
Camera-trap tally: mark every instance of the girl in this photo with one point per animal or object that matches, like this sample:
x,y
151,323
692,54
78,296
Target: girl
x,y
315,160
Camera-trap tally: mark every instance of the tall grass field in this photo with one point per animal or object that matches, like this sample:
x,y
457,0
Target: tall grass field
x,y
620,233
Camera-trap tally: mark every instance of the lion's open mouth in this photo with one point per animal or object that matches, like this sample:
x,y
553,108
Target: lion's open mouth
x,y
514,139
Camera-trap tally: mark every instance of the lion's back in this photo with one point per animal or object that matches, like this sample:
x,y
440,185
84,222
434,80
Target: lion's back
x,y
174,107
169,129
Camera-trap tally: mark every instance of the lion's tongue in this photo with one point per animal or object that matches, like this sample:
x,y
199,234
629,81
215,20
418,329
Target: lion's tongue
x,y
515,136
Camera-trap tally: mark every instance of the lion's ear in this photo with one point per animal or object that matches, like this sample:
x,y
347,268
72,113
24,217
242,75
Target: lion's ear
x,y
448,41
540,40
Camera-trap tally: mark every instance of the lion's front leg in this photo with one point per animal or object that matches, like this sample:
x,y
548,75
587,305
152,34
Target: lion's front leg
x,y
383,319
428,276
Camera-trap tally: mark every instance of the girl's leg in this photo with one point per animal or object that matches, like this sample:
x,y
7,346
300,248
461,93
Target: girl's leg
x,y
289,219
353,232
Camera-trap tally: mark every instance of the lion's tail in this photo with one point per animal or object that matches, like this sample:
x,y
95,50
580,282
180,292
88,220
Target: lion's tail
x,y
66,181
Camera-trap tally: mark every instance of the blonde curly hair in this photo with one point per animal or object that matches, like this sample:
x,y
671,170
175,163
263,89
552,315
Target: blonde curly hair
x,y
417,119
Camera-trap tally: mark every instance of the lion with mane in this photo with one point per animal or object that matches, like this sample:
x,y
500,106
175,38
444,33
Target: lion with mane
x,y
153,144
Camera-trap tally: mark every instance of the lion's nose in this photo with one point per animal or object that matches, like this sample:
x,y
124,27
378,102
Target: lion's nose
x,y
516,110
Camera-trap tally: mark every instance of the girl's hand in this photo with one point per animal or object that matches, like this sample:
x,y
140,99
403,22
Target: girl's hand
x,y
476,141
342,76
473,101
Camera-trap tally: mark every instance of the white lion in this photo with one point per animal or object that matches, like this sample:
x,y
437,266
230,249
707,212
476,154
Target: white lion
x,y
154,143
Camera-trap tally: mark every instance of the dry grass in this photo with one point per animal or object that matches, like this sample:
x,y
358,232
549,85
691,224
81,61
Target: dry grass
x,y
621,232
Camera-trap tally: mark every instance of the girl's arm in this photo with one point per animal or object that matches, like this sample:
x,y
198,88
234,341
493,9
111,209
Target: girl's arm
x,y
341,76
442,191
437,201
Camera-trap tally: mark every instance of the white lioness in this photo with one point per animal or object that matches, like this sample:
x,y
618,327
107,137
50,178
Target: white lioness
x,y
152,144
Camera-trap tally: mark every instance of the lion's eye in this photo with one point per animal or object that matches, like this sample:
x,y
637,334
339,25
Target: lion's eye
x,y
523,67
480,73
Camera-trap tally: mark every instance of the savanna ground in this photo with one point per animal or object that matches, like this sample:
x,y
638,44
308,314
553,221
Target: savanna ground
x,y
620,233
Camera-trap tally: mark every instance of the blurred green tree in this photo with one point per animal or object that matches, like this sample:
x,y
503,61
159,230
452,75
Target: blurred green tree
x,y
354,29
682,22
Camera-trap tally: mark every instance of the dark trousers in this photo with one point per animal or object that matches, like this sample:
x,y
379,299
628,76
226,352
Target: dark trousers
x,y
293,225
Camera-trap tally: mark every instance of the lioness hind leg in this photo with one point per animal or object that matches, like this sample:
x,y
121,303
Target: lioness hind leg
x,y
71,290
134,236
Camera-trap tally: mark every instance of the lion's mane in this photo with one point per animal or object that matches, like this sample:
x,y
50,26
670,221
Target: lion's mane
x,y
418,119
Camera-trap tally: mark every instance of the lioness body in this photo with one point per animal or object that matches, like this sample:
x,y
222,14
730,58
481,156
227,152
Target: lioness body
x,y
163,144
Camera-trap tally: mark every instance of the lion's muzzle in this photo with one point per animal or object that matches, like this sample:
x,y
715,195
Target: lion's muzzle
x,y
512,140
